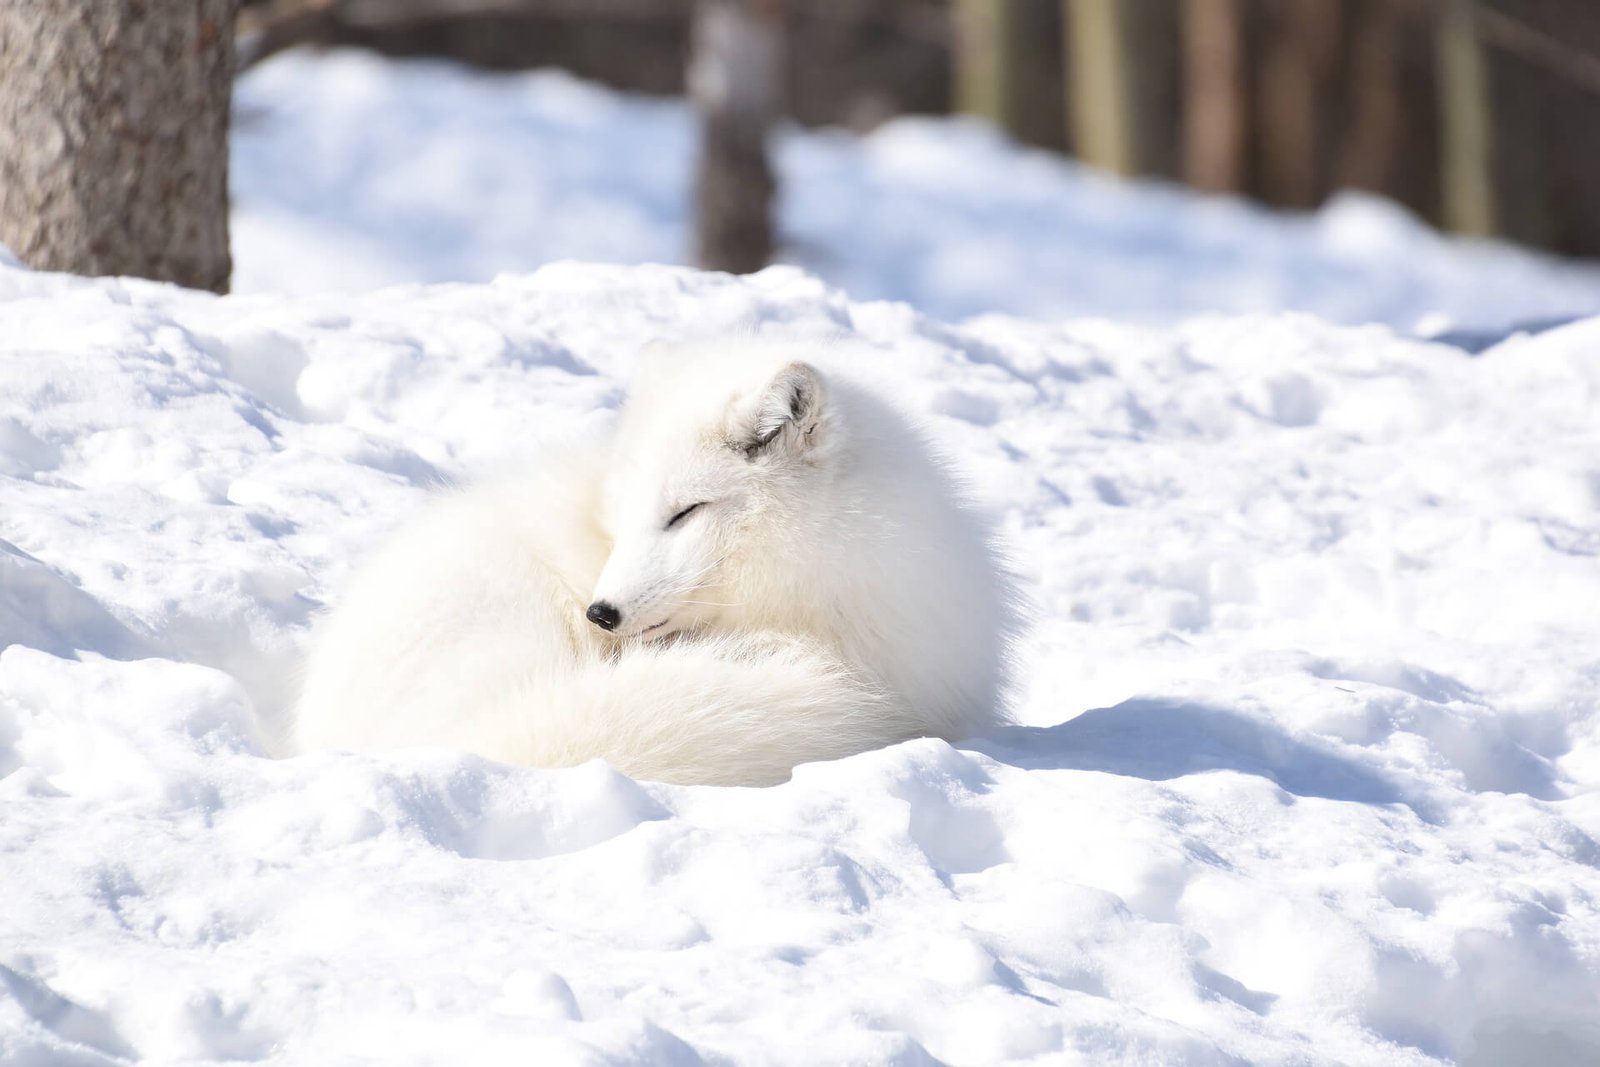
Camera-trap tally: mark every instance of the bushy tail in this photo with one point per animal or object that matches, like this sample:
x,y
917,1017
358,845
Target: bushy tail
x,y
732,710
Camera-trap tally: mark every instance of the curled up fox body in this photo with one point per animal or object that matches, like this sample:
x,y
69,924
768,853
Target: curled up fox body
x,y
763,564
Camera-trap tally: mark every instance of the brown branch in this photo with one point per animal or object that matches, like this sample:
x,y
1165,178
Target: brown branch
x,y
1528,43
1542,50
266,33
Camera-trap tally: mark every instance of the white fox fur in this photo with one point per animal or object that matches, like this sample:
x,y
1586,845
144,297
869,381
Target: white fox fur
x,y
832,593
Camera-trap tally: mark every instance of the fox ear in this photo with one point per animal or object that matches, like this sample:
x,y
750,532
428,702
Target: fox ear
x,y
787,413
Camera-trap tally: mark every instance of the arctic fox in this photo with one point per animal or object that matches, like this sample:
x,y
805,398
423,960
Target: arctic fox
x,y
762,565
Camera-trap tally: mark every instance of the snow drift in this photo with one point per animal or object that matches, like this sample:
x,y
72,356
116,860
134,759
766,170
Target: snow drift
x,y
351,172
1309,769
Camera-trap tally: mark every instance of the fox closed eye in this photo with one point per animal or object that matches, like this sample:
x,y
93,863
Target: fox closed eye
x,y
684,514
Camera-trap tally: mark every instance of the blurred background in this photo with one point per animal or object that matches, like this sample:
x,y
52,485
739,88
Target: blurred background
x,y
1479,115
965,156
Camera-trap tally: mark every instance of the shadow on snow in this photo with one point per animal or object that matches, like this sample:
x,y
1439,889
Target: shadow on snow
x,y
1159,739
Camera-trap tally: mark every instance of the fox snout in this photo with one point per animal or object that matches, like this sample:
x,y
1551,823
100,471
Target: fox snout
x,y
603,615
640,590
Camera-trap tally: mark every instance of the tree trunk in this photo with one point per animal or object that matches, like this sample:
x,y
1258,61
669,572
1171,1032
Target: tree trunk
x,y
1215,101
1007,58
1296,76
736,80
114,136
1153,32
1099,101
1037,113
1372,142
1467,128
985,37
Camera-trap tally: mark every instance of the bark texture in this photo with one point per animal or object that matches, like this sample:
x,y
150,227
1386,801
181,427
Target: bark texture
x,y
736,79
114,136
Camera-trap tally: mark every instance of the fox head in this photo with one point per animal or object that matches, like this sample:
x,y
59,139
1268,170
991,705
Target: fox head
x,y
710,450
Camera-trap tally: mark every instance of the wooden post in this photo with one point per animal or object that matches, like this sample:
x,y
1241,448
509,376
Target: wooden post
x,y
1097,84
1467,121
736,80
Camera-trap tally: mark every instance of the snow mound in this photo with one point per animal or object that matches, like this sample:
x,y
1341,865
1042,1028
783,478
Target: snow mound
x,y
351,171
1308,769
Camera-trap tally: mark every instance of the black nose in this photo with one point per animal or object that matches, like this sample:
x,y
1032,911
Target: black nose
x,y
603,615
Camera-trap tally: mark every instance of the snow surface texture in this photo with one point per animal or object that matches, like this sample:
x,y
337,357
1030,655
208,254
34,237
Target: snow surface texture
x,y
1309,769
351,172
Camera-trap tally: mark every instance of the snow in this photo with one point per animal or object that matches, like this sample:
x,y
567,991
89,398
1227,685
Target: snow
x,y
1307,769
352,172
1307,762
